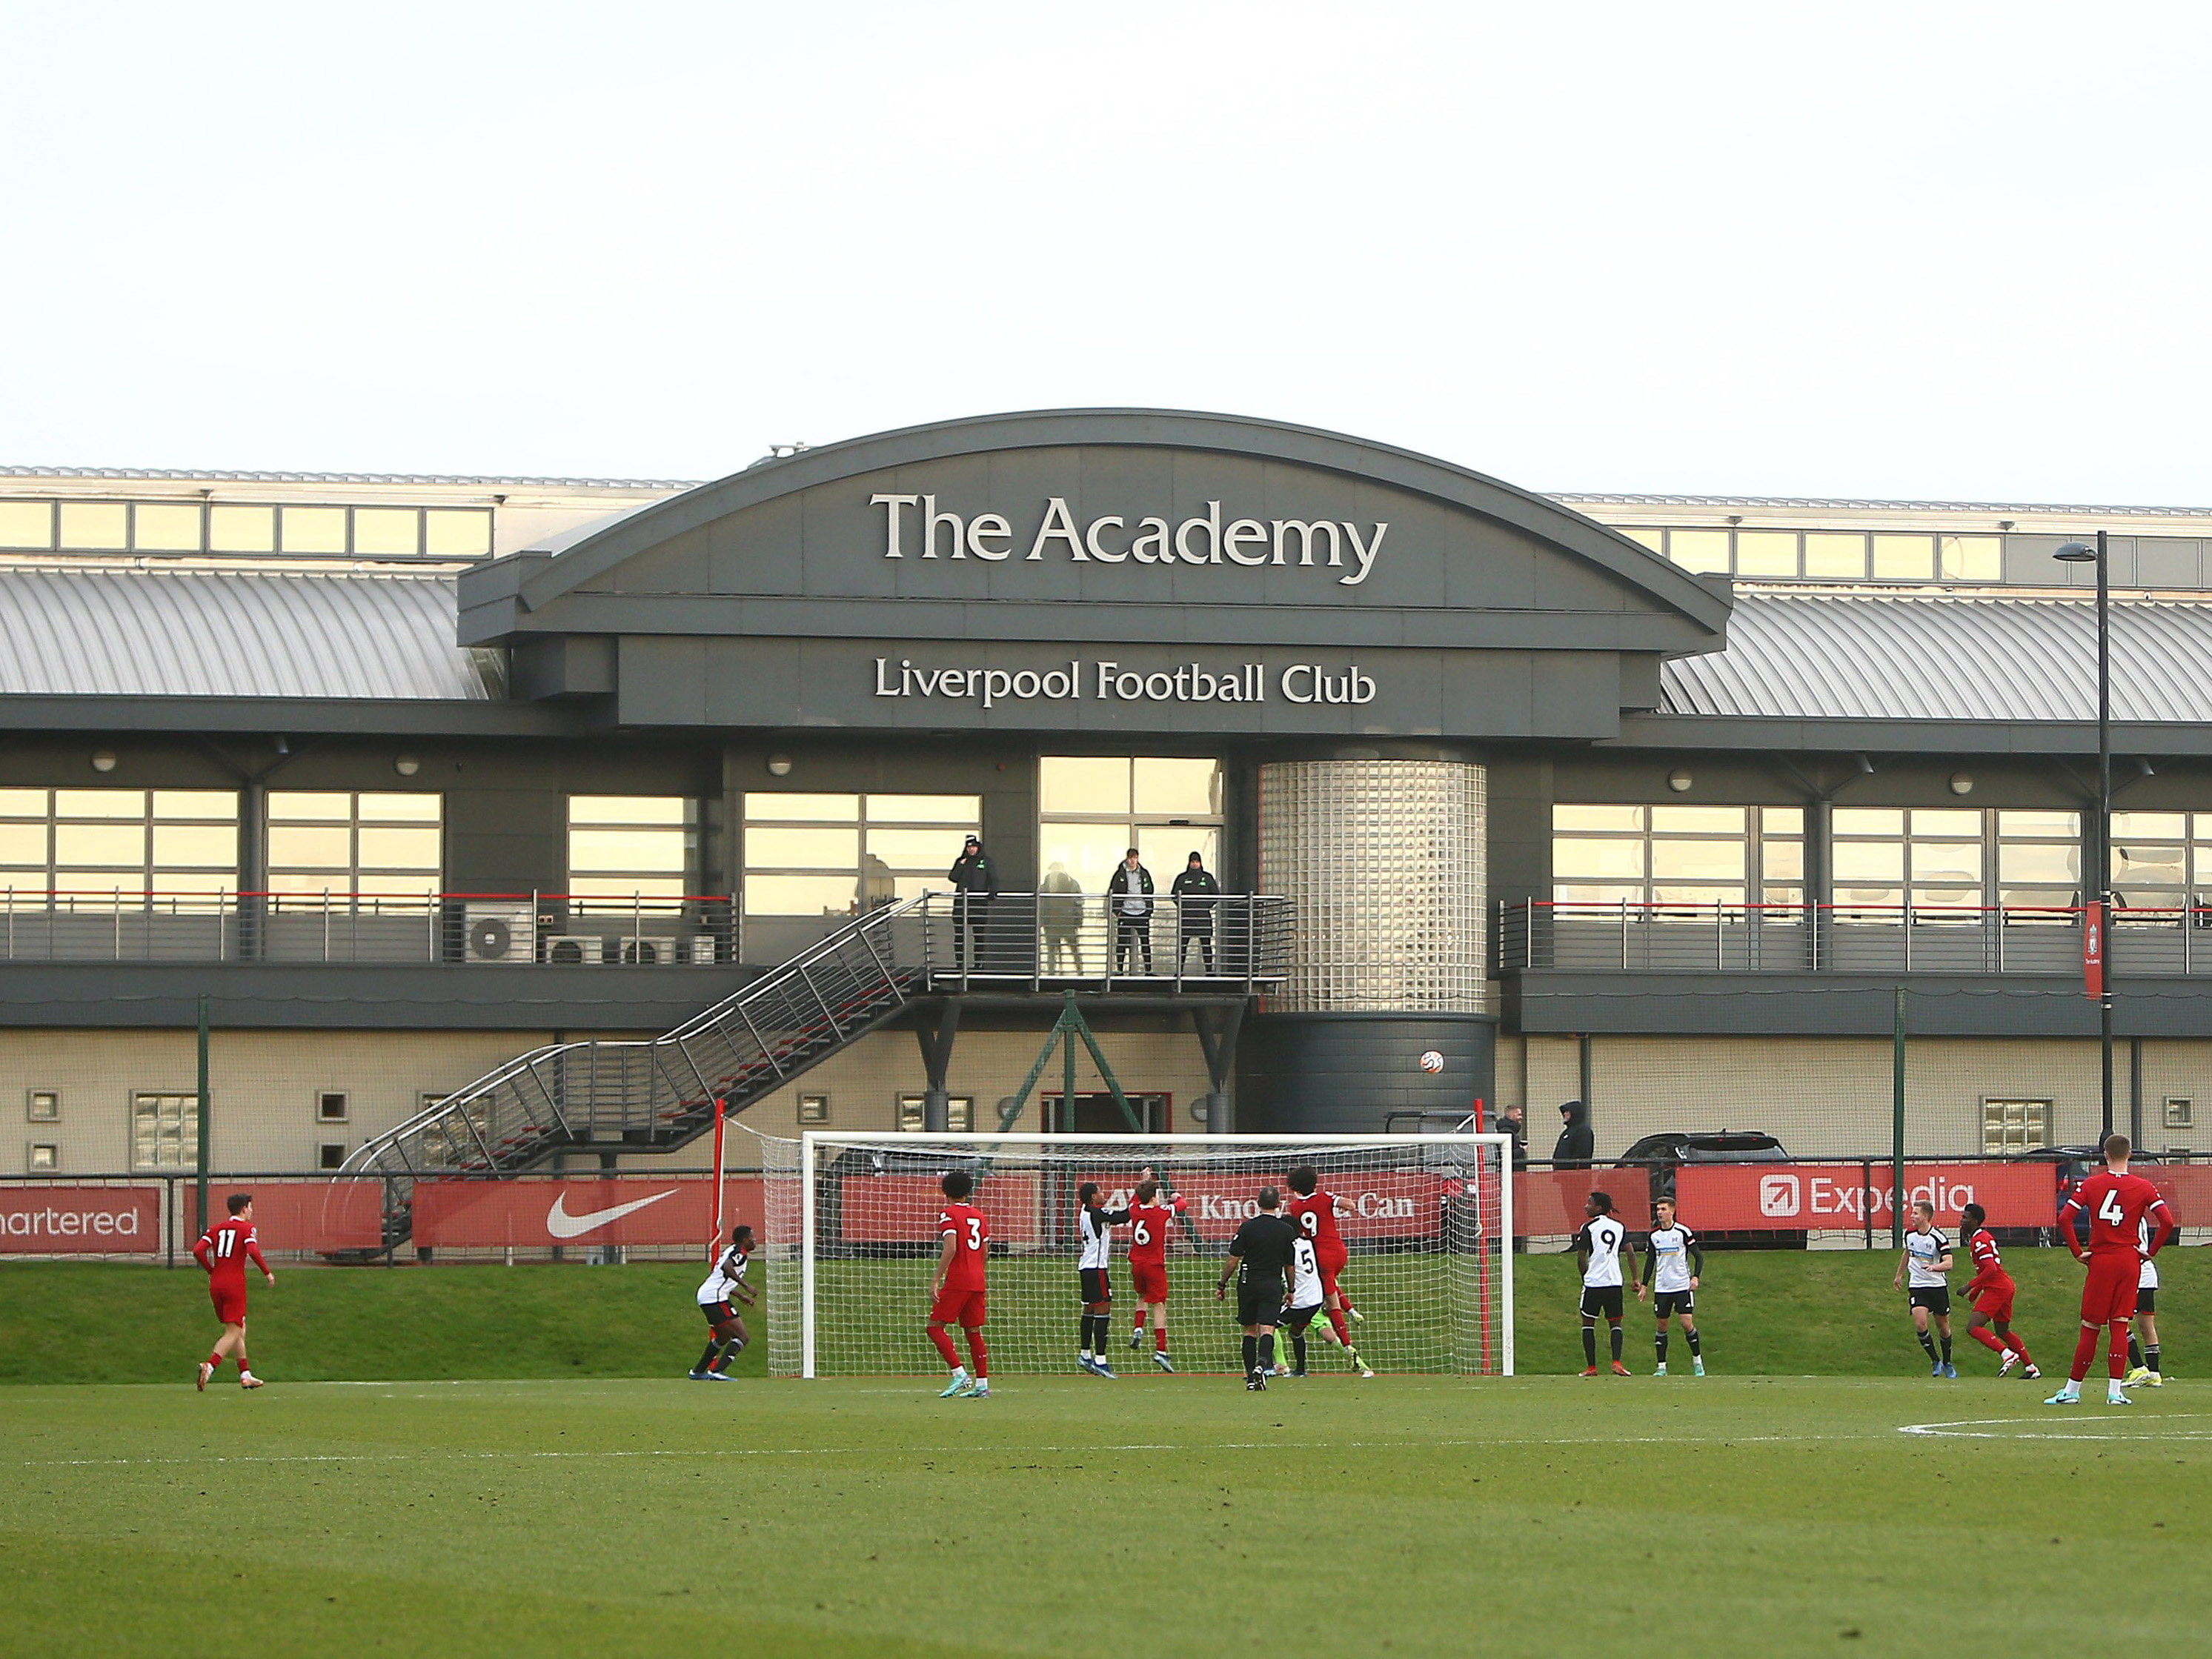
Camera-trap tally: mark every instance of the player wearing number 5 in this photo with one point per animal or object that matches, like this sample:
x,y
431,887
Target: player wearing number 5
x,y
2117,1205
224,1251
956,1296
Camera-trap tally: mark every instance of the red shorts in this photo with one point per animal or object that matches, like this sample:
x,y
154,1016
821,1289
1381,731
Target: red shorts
x,y
957,1306
1331,1265
1150,1280
229,1303
1995,1304
2109,1293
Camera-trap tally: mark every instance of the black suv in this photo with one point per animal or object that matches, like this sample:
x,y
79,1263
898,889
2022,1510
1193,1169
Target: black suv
x,y
1660,1155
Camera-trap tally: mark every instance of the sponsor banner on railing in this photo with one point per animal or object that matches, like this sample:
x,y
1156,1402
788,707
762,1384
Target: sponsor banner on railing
x,y
1852,1197
2187,1188
317,1215
79,1220
533,1214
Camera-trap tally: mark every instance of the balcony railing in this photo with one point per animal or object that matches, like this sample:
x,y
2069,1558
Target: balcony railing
x,y
1734,938
121,924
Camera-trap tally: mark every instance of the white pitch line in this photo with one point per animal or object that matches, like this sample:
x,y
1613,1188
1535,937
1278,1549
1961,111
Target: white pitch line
x,y
1982,1428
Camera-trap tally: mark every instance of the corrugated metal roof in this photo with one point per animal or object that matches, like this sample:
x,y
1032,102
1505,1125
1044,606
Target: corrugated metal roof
x,y
236,633
1948,657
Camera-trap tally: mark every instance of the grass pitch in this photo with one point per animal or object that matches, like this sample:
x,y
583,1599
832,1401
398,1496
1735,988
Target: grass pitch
x,y
1727,1516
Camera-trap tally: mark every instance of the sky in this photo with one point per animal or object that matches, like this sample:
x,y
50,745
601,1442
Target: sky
x,y
1953,252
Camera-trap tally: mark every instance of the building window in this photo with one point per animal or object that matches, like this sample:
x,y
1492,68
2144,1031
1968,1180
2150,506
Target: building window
x,y
331,1154
2015,1125
1829,554
1693,857
2039,860
43,1157
814,1109
630,847
959,1114
165,1131
343,842
1094,808
160,846
835,855
2180,1112
1884,856
2162,861
43,1106
331,1106
191,527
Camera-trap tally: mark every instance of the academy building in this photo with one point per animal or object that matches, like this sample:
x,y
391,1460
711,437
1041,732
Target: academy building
x,y
1655,802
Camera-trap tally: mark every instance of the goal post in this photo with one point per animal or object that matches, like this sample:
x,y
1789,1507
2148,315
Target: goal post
x,y
851,1244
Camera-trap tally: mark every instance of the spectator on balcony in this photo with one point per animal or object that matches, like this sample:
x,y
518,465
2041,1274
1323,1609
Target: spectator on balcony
x,y
1130,891
1576,1144
1059,913
975,881
878,887
1195,891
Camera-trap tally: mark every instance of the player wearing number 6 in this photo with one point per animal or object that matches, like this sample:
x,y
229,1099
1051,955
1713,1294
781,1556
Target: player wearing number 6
x,y
1149,1222
956,1296
2117,1205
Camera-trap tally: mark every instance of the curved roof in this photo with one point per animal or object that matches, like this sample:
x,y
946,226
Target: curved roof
x,y
1948,657
236,633
1540,516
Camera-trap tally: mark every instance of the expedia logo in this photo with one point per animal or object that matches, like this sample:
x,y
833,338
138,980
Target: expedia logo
x,y
1779,1195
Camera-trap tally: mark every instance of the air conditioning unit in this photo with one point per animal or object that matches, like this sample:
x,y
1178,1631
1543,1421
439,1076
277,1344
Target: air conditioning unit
x,y
648,950
696,952
500,932
576,950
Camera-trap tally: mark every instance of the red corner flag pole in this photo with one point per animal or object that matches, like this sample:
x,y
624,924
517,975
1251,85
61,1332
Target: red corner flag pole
x,y
714,1243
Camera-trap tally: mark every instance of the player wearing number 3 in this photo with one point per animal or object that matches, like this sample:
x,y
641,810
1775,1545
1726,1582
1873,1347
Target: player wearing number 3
x,y
2117,1205
956,1296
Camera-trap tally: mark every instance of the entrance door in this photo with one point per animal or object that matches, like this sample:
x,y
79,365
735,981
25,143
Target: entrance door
x,y
1097,1114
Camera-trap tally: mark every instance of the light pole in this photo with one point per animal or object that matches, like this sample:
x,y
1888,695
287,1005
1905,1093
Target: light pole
x,y
2082,553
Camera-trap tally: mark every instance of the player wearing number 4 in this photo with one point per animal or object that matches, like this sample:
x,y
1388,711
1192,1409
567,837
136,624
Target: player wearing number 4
x,y
1149,1224
222,1252
956,1296
2118,1205
1671,1270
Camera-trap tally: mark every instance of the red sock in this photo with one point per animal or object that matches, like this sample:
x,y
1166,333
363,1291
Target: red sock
x,y
943,1343
2085,1350
1336,1324
982,1355
1137,1325
2119,1357
2013,1341
1988,1338
1160,1340
215,1361
241,1365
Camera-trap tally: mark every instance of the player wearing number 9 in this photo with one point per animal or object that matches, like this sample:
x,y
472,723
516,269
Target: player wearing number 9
x,y
2117,1205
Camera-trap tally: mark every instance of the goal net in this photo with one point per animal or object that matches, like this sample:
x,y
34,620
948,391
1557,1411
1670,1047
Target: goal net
x,y
851,1243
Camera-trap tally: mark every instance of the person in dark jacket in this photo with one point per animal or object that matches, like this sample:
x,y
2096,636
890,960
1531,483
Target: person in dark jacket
x,y
1129,895
1575,1143
975,881
1195,891
1510,1123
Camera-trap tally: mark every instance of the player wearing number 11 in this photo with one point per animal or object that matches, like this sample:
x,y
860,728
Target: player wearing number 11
x,y
2117,1203
957,1294
222,1251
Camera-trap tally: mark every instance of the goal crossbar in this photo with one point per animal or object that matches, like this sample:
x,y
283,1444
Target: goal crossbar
x,y
983,1151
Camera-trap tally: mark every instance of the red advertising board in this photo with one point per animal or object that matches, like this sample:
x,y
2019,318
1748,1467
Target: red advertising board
x,y
1851,1197
534,1214
79,1220
1548,1203
903,1209
311,1216
2187,1188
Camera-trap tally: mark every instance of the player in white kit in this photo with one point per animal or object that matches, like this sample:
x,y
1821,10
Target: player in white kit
x,y
2142,1342
719,1297
1600,1248
1673,1264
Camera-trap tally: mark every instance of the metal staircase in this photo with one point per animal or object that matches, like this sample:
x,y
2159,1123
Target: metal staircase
x,y
655,1096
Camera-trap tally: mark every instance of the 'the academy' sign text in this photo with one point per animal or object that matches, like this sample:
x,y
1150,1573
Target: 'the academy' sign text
x,y
1302,543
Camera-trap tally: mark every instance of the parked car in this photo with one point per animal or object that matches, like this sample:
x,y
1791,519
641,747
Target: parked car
x,y
1661,1156
2071,1166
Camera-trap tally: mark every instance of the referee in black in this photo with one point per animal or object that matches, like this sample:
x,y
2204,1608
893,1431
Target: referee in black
x,y
1259,1256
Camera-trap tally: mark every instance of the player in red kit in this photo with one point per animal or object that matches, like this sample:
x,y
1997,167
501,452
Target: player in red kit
x,y
1314,1211
957,1297
2117,1203
222,1251
1150,1223
1990,1290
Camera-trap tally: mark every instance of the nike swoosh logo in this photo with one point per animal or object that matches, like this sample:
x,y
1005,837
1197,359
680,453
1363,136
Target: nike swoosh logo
x,y
562,1225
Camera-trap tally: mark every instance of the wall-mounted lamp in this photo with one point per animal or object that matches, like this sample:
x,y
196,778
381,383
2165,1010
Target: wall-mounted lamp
x,y
406,765
103,760
778,766
1962,783
1678,781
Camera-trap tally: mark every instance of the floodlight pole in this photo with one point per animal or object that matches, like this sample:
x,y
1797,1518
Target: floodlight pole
x,y
2100,844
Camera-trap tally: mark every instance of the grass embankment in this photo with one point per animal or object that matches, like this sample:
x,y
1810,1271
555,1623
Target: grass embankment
x,y
1788,1313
